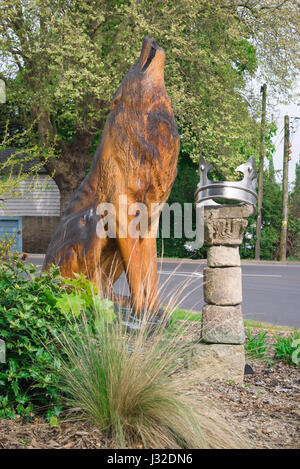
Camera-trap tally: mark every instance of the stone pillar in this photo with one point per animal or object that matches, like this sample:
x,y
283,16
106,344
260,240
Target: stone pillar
x,y
224,226
220,354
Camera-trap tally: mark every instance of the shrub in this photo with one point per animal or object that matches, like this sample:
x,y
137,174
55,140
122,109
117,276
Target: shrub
x,y
32,307
288,348
27,312
6,244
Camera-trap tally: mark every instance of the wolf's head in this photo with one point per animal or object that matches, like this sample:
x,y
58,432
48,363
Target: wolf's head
x,y
145,80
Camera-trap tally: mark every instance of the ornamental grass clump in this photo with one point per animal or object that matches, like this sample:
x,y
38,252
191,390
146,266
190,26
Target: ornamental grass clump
x,y
128,383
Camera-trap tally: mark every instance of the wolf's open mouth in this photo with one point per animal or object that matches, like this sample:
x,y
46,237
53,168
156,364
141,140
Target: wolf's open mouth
x,y
150,57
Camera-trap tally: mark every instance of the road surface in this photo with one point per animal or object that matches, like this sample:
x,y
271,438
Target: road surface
x,y
271,291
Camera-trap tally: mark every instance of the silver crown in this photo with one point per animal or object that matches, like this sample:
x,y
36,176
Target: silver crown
x,y
243,191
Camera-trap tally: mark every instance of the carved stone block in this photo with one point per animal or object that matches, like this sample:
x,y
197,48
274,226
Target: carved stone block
x,y
224,231
225,224
229,211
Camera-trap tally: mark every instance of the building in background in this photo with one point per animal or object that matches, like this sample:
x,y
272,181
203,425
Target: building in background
x,y
33,215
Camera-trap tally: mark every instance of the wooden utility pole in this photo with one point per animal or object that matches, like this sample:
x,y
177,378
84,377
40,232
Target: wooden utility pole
x,y
261,169
285,193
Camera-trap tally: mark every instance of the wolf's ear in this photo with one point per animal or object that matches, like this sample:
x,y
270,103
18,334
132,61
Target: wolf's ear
x,y
116,99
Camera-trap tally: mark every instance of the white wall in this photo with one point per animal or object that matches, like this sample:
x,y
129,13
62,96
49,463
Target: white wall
x,y
39,197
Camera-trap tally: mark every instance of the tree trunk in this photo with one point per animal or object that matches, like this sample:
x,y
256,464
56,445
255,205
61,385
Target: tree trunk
x,y
261,171
70,169
65,199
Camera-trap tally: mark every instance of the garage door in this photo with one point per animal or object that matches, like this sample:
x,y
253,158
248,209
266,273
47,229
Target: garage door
x,y
12,227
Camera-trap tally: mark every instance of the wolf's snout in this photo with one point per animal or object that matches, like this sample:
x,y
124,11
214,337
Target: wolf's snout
x,y
151,56
149,49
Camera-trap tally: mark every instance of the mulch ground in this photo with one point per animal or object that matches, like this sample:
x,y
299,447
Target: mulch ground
x,y
265,410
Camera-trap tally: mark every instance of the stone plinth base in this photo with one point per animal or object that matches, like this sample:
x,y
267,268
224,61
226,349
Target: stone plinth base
x,y
218,361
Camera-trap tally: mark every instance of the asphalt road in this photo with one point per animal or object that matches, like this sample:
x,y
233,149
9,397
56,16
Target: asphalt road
x,y
271,291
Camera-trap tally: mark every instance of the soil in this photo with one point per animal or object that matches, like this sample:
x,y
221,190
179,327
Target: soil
x,y
265,410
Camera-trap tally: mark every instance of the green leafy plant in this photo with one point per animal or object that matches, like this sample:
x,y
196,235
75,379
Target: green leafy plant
x,y
256,344
7,242
27,314
82,295
32,307
288,348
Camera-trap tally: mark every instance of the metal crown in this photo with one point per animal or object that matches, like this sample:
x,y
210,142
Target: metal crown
x,y
243,191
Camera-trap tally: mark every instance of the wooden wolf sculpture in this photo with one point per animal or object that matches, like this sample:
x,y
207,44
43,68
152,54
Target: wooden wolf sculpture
x,y
136,160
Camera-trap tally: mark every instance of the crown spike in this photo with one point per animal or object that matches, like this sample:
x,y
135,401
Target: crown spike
x,y
242,191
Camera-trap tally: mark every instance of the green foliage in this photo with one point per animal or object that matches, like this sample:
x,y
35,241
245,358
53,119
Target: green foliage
x,y
12,174
182,192
82,295
63,62
7,243
32,307
271,223
294,218
256,344
288,348
271,210
26,317
271,218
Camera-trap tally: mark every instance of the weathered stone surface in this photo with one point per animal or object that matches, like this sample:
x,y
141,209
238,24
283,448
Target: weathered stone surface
x,y
223,256
229,211
222,325
218,361
225,225
222,286
224,231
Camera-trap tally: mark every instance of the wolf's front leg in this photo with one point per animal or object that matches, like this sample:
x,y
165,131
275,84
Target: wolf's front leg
x,y
130,250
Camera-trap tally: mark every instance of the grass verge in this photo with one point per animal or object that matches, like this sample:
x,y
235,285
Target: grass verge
x,y
186,315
